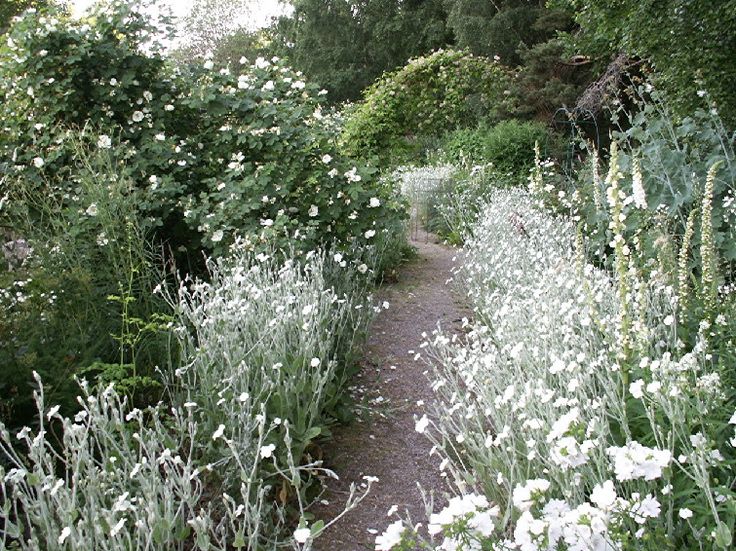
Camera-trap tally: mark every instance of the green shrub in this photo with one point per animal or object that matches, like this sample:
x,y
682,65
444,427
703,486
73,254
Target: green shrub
x,y
465,146
508,146
429,96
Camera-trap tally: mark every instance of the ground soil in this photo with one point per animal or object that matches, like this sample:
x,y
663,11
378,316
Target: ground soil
x,y
384,444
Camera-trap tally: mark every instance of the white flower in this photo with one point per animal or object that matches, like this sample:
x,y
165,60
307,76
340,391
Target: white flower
x,y
148,96
208,64
168,107
567,453
685,513
92,210
391,536
638,193
269,85
65,533
138,116
352,175
118,526
338,258
53,411
362,268
104,141
217,236
370,233
38,162
562,425
301,535
636,387
267,451
315,362
604,496
261,63
524,496
635,461
243,60
219,432
422,424
313,211
326,158
160,137
267,222
649,507
483,523
374,202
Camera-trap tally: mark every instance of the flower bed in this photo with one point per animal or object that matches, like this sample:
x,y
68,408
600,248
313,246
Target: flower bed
x,y
571,410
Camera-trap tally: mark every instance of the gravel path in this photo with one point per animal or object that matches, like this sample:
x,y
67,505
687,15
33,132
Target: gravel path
x,y
386,445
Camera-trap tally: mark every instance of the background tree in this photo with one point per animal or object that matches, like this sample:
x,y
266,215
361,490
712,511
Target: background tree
x,y
346,45
210,24
501,27
691,43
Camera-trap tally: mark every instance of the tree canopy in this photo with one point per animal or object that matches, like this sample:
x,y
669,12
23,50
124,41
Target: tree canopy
x,y
346,45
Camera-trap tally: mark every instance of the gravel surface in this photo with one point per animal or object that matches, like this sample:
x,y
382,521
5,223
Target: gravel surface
x,y
385,445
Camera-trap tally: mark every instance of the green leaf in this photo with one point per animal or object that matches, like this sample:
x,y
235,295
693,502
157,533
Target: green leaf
x,y
723,537
317,527
239,540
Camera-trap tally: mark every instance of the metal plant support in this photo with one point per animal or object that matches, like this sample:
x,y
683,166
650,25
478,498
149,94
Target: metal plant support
x,y
422,199
578,120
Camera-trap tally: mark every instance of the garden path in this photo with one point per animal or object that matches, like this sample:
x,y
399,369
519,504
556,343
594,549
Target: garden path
x,y
386,445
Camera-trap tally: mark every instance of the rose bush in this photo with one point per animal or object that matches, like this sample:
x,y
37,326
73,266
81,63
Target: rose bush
x,y
212,153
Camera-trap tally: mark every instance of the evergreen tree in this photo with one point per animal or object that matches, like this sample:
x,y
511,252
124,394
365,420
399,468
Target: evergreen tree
x,y
345,45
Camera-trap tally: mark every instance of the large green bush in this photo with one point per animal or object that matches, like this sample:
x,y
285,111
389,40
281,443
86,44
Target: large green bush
x,y
429,96
212,153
